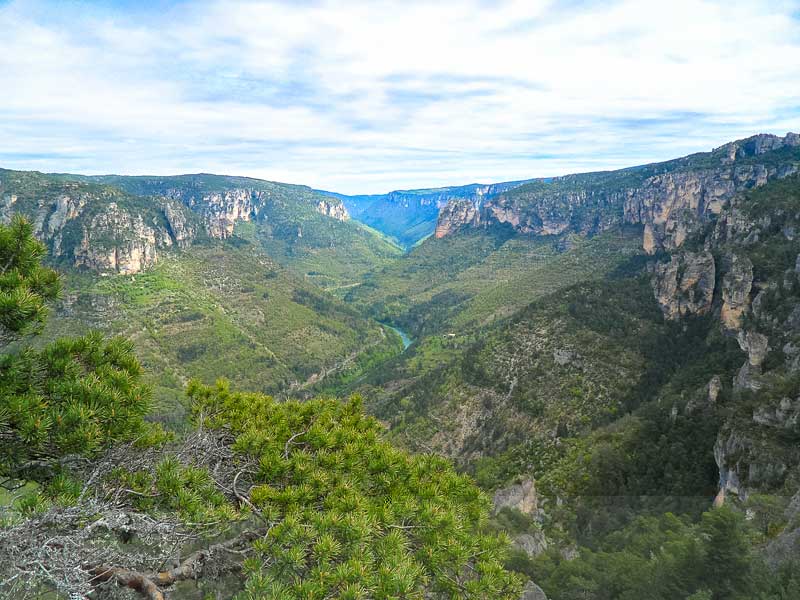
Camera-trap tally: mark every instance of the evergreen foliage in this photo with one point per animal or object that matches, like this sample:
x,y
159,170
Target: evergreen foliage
x,y
351,516
75,396
25,285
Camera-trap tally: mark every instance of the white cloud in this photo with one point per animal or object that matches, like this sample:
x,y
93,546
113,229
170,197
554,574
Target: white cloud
x,y
369,96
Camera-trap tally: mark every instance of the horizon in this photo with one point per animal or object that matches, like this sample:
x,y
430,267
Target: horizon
x,y
387,192
362,98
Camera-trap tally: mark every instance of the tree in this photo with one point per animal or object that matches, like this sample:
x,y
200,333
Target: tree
x,y
75,396
350,515
728,558
25,285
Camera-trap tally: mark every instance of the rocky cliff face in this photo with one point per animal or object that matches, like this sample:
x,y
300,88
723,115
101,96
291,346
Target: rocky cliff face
x,y
685,285
332,209
411,215
748,280
670,200
454,215
116,241
95,227
119,224
221,210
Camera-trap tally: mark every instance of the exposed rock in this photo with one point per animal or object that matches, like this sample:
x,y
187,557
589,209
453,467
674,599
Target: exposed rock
x,y
114,241
66,208
333,209
784,416
454,215
755,344
736,286
532,592
726,447
712,391
221,210
671,205
7,202
685,285
714,388
649,243
521,496
532,544
180,229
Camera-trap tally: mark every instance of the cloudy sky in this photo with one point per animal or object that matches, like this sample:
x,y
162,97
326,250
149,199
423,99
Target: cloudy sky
x,y
371,96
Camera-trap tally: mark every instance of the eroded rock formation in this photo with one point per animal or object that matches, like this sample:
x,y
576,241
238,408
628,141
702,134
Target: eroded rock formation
x,y
685,285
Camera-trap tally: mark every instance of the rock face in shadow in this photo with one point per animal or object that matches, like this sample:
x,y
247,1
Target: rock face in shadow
x,y
684,286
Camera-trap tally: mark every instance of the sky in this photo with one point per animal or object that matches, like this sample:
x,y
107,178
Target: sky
x,y
367,97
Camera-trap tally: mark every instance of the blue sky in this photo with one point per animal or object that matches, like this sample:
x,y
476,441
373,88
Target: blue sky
x,y
365,97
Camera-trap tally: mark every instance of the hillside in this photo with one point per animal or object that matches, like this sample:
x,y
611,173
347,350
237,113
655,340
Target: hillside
x,y
630,379
671,199
308,232
205,284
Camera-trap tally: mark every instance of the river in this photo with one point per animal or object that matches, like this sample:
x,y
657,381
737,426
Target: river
x,y
407,341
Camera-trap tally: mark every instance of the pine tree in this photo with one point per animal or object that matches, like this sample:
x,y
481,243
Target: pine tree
x,y
25,285
73,397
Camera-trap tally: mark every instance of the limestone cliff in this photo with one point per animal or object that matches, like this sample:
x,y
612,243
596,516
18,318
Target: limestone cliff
x,y
332,209
96,227
114,224
670,200
454,215
223,201
685,285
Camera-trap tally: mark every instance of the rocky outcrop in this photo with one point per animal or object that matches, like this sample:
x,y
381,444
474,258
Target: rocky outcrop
x,y
181,229
685,285
221,210
736,286
783,416
674,205
729,450
333,209
521,496
455,215
756,345
533,592
746,462
533,544
101,229
116,241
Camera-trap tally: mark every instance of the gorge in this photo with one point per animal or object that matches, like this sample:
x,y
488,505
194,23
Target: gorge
x,y
601,352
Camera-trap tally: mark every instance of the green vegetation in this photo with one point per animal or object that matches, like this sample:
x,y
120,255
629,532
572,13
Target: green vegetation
x,y
76,396
346,514
224,311
668,557
353,517
331,253
25,285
